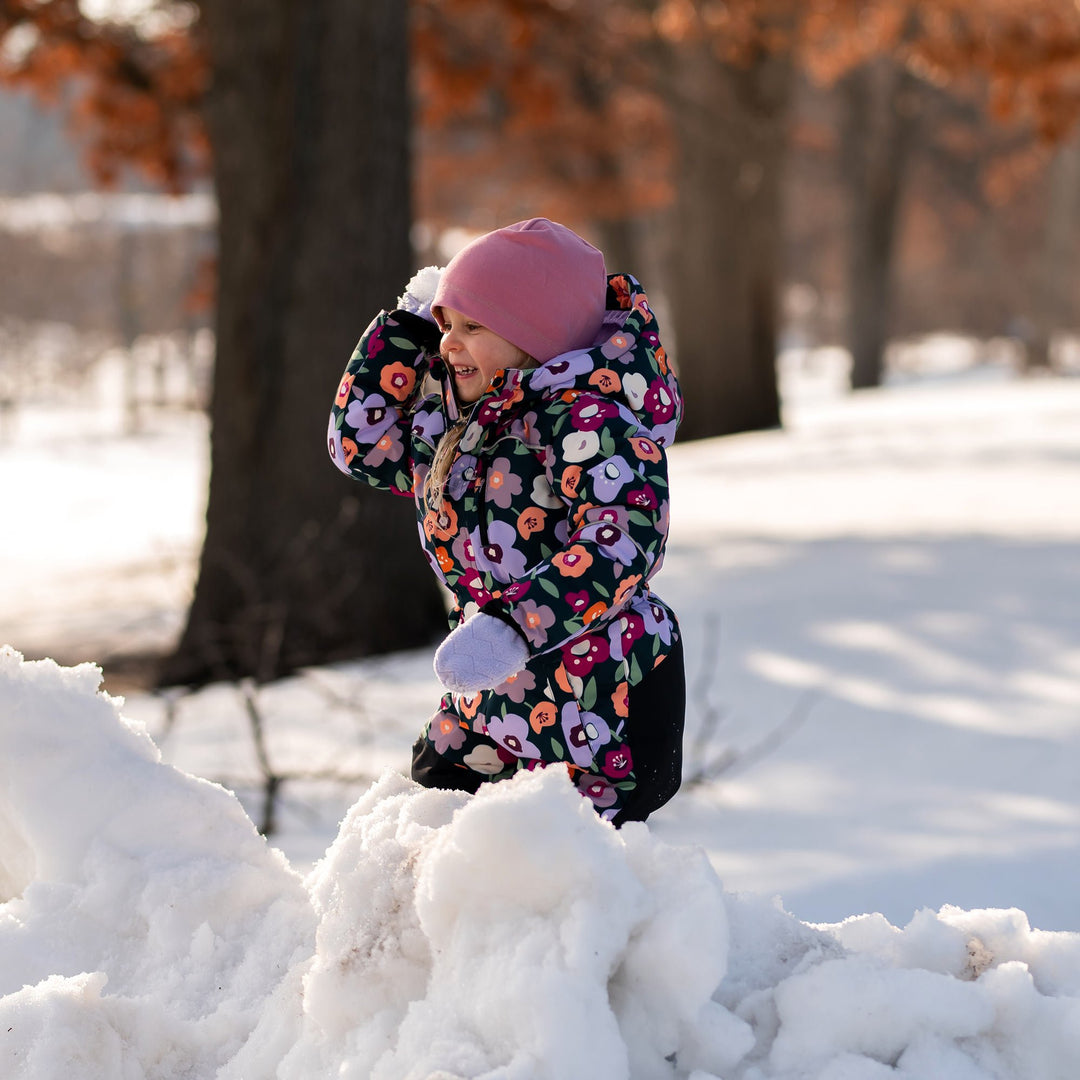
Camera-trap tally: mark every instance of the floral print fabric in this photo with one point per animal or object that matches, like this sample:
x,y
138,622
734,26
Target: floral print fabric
x,y
554,517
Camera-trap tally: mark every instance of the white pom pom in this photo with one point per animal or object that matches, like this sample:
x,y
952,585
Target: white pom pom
x,y
420,291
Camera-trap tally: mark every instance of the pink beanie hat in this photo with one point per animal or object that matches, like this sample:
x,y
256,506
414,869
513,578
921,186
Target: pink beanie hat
x,y
536,283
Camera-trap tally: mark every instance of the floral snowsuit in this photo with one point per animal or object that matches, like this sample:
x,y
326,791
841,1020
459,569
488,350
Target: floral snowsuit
x,y
555,516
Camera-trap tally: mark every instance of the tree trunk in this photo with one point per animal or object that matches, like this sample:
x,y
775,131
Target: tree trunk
x,y
308,119
730,131
880,114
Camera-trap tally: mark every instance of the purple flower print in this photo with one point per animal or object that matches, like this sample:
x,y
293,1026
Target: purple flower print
x,y
574,736
656,620
561,371
659,401
610,477
389,448
370,418
499,556
618,762
462,549
428,426
664,434
517,686
534,620
512,732
589,413
613,542
503,483
598,789
446,732
461,476
617,345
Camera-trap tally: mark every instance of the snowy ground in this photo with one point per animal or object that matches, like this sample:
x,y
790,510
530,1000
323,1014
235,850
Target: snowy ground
x,y
889,589
882,608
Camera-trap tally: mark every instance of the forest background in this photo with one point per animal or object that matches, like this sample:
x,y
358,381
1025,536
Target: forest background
x,y
778,173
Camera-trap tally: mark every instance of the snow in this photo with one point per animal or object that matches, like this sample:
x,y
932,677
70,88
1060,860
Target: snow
x,y
884,662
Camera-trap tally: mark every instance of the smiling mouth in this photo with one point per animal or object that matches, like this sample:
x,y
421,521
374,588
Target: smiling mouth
x,y
464,372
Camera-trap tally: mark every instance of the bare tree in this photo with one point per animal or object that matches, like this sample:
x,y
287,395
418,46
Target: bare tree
x,y
307,113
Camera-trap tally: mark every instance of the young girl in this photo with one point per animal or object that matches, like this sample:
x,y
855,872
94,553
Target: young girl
x,y
540,481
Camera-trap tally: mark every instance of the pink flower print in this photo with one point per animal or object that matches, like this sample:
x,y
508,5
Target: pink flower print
x,y
473,582
589,413
578,601
582,654
512,732
659,401
618,762
644,498
375,343
516,590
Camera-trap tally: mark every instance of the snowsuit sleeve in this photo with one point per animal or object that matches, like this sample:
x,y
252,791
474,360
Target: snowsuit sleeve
x,y
371,419
612,477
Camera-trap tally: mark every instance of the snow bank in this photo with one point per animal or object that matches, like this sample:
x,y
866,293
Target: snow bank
x,y
148,931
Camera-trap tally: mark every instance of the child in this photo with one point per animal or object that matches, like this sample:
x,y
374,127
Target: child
x,y
540,481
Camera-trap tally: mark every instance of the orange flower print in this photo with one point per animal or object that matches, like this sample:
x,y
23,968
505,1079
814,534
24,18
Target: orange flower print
x,y
571,480
621,288
344,390
621,699
645,449
573,562
442,557
606,380
594,612
351,450
542,716
441,523
469,705
626,587
397,380
531,520
661,359
562,679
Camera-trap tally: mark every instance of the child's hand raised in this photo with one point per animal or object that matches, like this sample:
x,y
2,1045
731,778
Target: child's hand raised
x,y
420,292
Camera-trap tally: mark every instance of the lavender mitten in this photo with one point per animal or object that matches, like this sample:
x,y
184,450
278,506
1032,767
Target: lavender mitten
x,y
481,653
420,292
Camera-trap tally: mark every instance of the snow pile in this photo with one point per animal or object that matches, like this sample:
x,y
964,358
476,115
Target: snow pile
x,y
148,931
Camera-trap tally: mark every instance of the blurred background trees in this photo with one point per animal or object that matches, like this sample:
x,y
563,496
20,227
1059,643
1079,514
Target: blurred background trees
x,y
778,173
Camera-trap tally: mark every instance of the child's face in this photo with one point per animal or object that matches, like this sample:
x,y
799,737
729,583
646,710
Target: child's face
x,y
474,353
